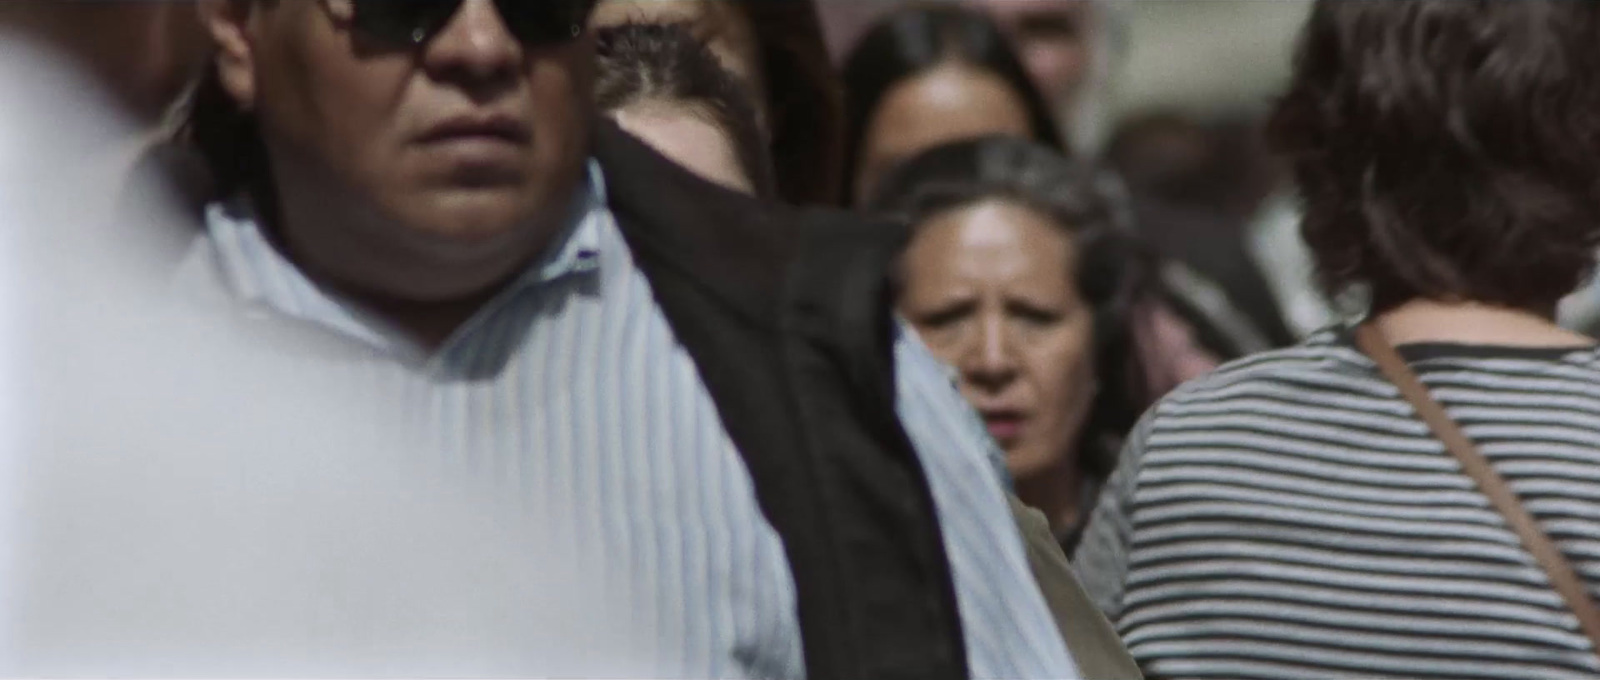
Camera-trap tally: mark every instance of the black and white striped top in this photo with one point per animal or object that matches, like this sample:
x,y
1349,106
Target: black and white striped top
x,y
1289,517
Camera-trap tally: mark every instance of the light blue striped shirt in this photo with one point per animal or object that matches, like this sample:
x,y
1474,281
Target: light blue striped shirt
x,y
570,388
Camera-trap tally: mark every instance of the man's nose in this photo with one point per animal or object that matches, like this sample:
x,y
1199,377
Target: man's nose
x,y
476,48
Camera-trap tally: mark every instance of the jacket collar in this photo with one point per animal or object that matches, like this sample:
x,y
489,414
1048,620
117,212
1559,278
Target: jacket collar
x,y
732,246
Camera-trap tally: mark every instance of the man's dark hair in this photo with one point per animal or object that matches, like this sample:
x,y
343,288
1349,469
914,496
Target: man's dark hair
x,y
918,38
667,64
1447,149
1085,203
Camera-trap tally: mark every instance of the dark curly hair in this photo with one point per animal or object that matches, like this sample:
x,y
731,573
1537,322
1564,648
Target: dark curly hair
x,y
665,63
1084,202
1447,149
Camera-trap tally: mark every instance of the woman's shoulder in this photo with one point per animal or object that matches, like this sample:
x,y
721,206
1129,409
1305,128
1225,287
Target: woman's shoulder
x,y
1327,353
1326,372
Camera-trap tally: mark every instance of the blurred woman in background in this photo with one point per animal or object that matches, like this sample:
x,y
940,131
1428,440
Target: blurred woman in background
x,y
927,75
777,50
1020,276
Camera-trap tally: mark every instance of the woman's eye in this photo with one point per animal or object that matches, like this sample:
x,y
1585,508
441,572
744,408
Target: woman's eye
x,y
1036,316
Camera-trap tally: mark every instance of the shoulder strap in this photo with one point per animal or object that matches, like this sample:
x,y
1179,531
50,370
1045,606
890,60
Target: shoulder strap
x,y
1563,578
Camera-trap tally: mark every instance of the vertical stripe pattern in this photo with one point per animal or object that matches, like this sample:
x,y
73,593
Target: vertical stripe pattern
x,y
571,389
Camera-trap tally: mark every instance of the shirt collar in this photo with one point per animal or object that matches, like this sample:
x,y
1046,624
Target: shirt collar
x,y
257,275
577,250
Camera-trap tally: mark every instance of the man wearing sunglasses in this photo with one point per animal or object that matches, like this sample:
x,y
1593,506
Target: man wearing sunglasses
x,y
157,518
769,473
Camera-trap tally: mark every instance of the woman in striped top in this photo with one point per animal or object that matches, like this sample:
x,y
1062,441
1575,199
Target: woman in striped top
x,y
1289,516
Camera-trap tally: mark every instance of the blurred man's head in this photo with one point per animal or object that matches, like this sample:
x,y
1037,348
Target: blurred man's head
x,y
420,150
144,53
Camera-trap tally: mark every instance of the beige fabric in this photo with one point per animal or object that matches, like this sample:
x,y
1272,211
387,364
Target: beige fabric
x,y
1094,644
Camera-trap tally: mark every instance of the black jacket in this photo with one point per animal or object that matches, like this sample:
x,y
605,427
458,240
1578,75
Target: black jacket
x,y
787,315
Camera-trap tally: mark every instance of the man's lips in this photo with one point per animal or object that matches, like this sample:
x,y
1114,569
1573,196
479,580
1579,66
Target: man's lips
x,y
487,129
478,151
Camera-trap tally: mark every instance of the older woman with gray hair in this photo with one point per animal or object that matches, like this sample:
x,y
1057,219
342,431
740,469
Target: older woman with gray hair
x,y
1021,275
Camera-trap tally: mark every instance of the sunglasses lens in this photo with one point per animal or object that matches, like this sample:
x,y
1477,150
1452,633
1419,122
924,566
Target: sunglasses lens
x,y
544,22
535,22
403,21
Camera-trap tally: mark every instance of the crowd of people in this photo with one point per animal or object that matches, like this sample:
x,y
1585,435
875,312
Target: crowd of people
x,y
699,338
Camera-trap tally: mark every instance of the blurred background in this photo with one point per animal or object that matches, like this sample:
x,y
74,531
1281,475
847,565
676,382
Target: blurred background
x,y
1205,57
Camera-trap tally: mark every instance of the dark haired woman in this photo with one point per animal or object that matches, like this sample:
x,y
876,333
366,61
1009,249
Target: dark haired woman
x,y
926,75
1016,276
1019,276
777,50
1292,515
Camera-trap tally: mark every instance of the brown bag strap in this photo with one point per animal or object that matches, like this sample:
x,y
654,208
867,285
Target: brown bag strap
x,y
1562,577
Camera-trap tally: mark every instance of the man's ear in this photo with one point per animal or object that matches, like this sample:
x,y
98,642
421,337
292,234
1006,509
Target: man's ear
x,y
229,23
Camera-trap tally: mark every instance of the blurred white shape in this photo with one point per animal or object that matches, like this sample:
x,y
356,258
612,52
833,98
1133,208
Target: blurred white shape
x,y
1274,243
175,502
1580,311
1207,56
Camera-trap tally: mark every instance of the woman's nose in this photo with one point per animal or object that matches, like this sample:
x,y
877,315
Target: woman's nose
x,y
991,360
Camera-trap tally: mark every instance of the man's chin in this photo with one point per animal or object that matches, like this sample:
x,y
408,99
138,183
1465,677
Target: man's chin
x,y
470,216
438,246
435,282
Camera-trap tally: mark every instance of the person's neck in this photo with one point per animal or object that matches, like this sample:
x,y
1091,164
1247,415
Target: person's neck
x,y
425,284
1056,492
1471,323
453,291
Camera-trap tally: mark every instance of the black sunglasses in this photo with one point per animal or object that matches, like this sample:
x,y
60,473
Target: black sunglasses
x,y
415,22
